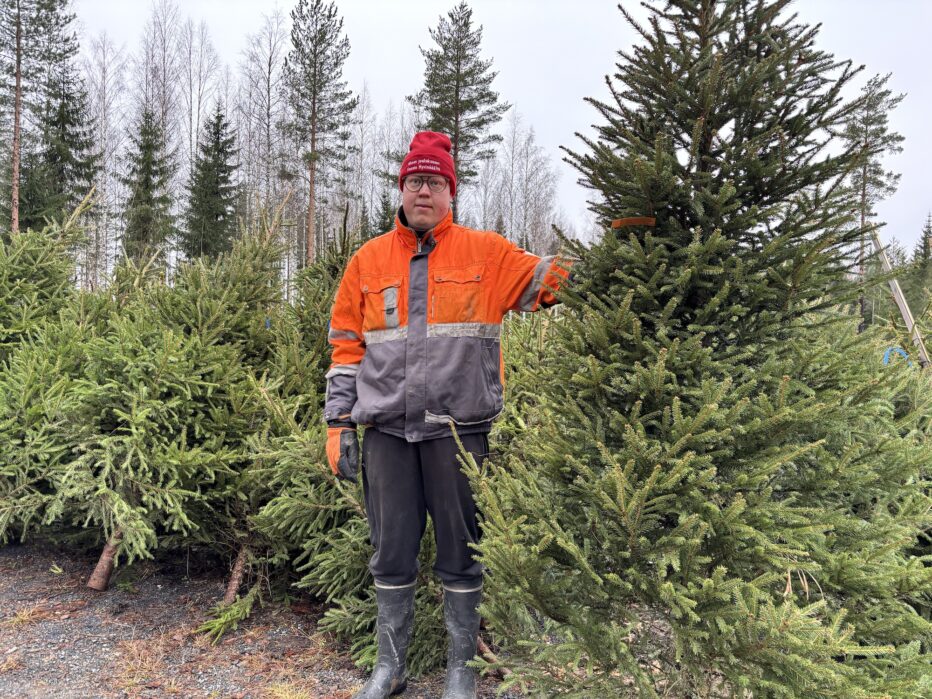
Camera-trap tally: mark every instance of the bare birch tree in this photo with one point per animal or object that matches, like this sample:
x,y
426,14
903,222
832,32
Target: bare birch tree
x,y
528,187
105,73
199,68
261,111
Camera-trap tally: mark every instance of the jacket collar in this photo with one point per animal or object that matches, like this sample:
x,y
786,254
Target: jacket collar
x,y
409,238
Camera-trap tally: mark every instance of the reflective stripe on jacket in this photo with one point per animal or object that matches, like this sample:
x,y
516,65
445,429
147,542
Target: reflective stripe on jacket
x,y
416,328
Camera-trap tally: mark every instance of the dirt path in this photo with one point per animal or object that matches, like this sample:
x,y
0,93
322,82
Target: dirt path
x,y
61,640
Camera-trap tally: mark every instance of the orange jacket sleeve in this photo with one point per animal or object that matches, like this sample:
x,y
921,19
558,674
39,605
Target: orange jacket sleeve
x,y
526,281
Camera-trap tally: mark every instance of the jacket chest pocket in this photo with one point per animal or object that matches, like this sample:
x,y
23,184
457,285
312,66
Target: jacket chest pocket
x,y
457,295
382,297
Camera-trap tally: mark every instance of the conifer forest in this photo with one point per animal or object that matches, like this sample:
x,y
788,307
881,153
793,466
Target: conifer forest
x,y
711,477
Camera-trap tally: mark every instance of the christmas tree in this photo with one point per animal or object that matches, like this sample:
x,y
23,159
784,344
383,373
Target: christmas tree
x,y
147,214
211,222
42,328
722,487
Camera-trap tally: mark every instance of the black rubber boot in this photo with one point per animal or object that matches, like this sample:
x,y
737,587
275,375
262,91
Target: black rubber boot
x,y
393,632
460,610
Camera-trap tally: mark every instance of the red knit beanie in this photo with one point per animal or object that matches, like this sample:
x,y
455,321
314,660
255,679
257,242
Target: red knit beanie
x,y
429,154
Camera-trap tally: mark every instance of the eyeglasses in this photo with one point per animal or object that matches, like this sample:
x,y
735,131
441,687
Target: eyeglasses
x,y
435,184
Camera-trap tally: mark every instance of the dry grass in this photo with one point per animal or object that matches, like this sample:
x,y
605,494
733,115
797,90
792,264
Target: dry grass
x,y
43,612
141,661
10,663
288,690
28,615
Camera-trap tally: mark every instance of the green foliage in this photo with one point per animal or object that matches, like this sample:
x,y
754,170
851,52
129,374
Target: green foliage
x,y
144,455
916,278
868,133
226,618
385,216
35,281
56,163
719,488
36,391
148,218
211,222
57,176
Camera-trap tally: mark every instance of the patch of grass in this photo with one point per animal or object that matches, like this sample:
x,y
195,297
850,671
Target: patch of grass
x,y
29,615
140,661
126,586
287,690
10,663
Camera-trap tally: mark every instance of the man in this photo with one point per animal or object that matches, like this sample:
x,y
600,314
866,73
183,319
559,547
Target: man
x,y
415,331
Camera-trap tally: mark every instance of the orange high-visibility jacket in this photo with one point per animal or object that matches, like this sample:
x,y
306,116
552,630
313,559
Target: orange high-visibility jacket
x,y
416,327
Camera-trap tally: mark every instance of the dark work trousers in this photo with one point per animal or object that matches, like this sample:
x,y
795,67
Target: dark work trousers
x,y
402,482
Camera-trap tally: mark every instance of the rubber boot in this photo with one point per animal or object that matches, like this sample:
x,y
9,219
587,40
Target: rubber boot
x,y
393,632
460,610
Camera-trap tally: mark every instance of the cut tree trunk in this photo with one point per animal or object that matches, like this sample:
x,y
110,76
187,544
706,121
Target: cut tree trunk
x,y
236,577
486,653
100,578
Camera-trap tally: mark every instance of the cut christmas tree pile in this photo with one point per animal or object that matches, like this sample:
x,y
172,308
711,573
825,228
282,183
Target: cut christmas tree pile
x,y
725,489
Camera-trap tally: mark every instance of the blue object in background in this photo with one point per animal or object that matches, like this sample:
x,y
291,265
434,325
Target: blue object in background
x,y
900,351
268,323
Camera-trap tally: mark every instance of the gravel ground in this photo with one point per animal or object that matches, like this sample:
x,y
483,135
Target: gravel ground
x,y
62,640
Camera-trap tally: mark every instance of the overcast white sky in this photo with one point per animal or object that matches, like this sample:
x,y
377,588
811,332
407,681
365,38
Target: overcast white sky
x,y
550,54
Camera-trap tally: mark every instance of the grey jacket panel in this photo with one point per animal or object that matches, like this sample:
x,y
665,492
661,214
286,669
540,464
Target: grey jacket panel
x,y
380,384
465,383
341,391
415,365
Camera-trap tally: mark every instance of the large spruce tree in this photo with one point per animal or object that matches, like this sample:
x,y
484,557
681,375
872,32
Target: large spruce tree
x,y
321,101
917,282
457,98
211,219
718,490
61,173
147,214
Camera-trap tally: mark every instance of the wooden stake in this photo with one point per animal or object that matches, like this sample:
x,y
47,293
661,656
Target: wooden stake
x,y
901,303
100,578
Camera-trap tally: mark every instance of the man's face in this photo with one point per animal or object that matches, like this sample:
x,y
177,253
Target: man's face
x,y
424,208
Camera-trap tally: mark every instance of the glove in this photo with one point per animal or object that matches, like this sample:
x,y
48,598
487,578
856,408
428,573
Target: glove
x,y
343,450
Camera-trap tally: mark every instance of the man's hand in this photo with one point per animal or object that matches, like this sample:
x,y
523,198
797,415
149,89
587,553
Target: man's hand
x,y
343,450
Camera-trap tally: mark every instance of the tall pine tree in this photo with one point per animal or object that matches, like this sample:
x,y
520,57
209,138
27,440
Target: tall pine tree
x,y
321,101
457,98
868,133
211,217
147,214
718,490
